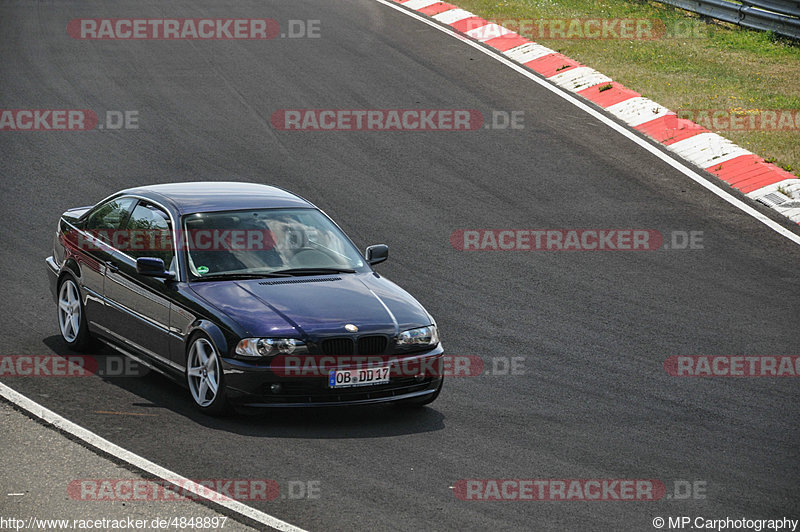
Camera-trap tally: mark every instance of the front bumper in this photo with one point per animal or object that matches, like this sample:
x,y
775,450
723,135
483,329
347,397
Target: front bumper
x,y
52,275
249,384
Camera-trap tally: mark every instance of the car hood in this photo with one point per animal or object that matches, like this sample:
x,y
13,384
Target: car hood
x,y
316,305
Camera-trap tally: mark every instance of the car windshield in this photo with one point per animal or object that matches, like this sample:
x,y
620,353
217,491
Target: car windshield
x,y
267,242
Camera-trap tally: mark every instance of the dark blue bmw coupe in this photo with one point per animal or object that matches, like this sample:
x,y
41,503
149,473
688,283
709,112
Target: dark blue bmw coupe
x,y
246,293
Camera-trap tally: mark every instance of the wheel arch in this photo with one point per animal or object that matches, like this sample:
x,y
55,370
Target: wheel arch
x,y
212,331
70,266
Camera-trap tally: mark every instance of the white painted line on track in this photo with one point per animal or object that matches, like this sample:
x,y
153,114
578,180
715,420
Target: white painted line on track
x,y
678,165
139,462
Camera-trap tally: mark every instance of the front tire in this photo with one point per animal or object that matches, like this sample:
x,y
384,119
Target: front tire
x,y
204,377
72,316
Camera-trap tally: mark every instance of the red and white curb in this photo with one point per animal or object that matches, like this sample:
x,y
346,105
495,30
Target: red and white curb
x,y
739,168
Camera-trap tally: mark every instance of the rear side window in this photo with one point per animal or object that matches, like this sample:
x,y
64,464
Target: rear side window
x,y
110,215
150,233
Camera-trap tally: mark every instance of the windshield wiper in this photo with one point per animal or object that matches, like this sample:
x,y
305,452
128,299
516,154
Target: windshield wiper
x,y
313,271
223,276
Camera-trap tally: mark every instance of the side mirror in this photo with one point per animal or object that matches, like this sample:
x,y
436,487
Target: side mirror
x,y
377,254
152,267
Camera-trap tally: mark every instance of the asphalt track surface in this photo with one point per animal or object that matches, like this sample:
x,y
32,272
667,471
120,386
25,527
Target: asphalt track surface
x,y
594,327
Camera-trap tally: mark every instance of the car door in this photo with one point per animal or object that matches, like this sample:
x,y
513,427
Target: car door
x,y
138,305
94,246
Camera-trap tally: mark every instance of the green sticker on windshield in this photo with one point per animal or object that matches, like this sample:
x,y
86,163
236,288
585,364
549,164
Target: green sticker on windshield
x,y
202,270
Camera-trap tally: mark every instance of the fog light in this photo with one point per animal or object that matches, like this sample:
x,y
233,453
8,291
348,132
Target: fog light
x,y
275,388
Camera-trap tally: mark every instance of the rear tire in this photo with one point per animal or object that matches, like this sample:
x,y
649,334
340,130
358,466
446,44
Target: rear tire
x,y
72,320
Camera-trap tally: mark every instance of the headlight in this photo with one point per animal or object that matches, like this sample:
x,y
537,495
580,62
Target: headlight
x,y
418,337
268,347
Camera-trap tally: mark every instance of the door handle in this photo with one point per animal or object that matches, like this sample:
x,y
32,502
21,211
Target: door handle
x,y
112,266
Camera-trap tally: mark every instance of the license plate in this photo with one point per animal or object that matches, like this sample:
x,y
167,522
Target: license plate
x,y
343,378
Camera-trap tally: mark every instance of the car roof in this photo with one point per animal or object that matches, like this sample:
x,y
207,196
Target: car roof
x,y
210,196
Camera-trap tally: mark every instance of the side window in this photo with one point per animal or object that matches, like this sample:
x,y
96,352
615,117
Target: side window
x,y
149,234
110,215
